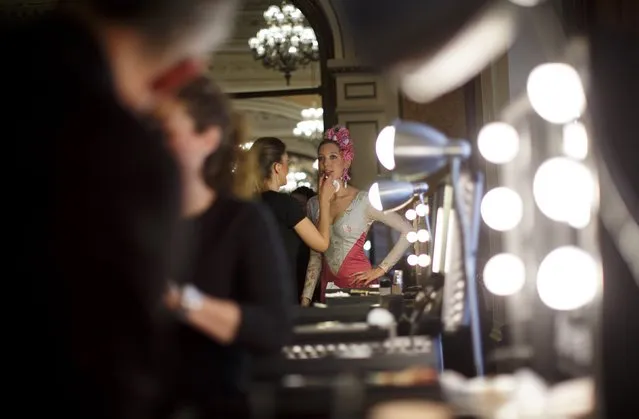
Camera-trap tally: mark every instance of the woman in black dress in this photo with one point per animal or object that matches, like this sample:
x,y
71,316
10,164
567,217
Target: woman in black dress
x,y
234,296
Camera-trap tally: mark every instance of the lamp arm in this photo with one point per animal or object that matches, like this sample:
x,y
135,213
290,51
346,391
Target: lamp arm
x,y
427,222
458,150
467,239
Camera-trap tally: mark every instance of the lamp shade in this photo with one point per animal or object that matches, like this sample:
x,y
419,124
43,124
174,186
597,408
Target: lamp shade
x,y
431,46
414,151
387,32
392,195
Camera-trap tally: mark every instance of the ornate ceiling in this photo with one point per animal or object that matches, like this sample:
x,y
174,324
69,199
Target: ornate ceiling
x,y
235,70
276,117
235,67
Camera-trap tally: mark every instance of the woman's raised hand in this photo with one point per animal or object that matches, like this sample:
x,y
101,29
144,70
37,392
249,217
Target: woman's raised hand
x,y
327,188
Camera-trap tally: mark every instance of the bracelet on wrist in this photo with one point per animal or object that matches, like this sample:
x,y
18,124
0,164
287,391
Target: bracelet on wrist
x,y
191,299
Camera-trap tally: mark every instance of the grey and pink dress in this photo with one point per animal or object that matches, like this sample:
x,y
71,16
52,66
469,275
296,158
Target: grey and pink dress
x,y
345,254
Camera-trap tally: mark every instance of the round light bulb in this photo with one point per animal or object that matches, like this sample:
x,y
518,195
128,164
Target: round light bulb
x,y
421,210
565,191
411,214
568,278
367,245
423,260
555,92
498,142
575,140
385,147
526,3
423,236
504,274
412,260
411,236
502,209
380,317
374,197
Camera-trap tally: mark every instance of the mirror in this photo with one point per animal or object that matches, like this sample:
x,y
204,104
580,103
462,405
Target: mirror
x,y
296,120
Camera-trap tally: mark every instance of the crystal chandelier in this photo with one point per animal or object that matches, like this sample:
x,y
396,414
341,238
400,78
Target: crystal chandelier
x,y
287,43
312,124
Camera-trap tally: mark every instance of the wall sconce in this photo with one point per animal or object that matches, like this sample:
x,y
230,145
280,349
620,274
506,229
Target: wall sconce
x,y
414,151
393,195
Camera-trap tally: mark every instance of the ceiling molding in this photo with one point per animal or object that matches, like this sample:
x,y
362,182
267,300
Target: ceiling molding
x,y
275,106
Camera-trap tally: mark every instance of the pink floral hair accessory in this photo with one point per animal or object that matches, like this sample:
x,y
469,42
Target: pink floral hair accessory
x,y
342,137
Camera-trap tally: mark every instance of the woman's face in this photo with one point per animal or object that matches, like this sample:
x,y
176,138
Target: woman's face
x,y
330,161
189,147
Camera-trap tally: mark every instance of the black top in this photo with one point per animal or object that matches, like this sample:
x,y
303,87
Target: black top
x,y
240,257
288,213
93,199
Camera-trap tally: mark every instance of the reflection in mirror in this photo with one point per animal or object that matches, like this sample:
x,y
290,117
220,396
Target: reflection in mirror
x,y
416,152
296,120
455,242
236,69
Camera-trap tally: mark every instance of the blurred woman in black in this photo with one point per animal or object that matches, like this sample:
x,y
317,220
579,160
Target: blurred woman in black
x,y
234,296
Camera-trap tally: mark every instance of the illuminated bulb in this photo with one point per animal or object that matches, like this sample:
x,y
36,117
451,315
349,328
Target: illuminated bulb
x,y
385,147
367,245
411,236
526,3
421,210
411,214
423,236
555,92
374,197
568,278
565,191
412,260
502,209
423,260
504,274
498,142
575,140
380,317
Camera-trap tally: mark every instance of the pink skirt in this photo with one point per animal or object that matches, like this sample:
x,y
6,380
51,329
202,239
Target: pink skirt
x,y
355,262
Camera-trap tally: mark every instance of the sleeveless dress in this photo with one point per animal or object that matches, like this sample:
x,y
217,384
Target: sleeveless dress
x,y
345,254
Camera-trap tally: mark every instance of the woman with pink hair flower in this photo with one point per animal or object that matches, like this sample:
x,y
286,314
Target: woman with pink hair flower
x,y
344,264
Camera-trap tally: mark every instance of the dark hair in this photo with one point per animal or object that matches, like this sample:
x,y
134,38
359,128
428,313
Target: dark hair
x,y
209,107
163,21
305,191
267,151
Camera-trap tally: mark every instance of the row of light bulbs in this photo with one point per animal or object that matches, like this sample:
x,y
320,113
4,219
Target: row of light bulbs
x,y
421,235
421,210
564,190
